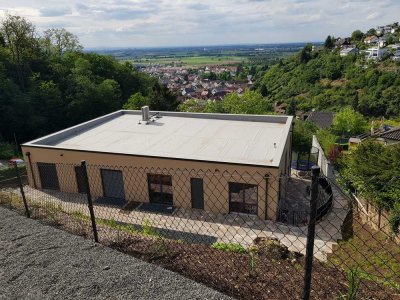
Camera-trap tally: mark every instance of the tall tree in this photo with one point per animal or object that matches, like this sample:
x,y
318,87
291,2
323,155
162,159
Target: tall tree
x,y
348,122
20,37
357,35
329,42
59,40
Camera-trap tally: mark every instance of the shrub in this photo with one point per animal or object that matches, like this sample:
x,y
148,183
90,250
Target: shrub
x,y
229,247
6,150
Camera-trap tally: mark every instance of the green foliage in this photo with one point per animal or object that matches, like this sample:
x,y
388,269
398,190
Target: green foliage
x,y
302,136
7,150
348,122
322,80
191,105
148,229
329,42
229,247
251,102
374,171
394,219
136,101
327,140
47,83
353,284
357,35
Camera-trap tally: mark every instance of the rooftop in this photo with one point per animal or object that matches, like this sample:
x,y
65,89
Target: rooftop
x,y
240,139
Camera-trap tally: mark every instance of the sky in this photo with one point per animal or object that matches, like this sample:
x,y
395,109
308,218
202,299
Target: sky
x,y
157,23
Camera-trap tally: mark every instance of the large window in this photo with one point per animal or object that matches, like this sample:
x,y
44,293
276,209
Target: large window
x,y
243,198
160,188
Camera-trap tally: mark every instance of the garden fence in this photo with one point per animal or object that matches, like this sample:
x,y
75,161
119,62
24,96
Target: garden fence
x,y
251,235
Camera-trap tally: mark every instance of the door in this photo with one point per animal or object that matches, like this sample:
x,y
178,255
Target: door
x,y
197,193
80,179
48,176
113,184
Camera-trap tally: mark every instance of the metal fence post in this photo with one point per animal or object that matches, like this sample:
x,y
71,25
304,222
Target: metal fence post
x,y
90,202
311,232
21,188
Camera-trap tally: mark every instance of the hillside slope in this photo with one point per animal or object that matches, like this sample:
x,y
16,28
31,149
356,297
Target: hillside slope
x,y
323,80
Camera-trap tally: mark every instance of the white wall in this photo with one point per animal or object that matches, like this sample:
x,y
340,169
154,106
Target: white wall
x,y
323,161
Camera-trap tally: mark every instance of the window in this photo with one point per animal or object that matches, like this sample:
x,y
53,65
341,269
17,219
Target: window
x,y
243,198
160,188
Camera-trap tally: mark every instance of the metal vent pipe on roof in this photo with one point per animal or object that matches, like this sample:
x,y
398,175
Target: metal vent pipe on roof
x,y
145,114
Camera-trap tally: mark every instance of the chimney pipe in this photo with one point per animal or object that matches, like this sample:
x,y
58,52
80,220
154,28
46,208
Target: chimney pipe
x,y
145,114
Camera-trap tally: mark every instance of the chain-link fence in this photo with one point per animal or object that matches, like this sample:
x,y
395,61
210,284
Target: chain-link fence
x,y
248,234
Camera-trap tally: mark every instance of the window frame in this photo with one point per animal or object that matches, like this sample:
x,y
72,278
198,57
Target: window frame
x,y
244,186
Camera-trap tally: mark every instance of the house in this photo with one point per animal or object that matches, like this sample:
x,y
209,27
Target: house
x,y
392,136
396,56
371,40
382,42
124,150
375,53
342,42
348,51
384,134
322,119
380,30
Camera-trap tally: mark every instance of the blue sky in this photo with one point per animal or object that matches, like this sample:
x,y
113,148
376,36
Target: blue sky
x,y
153,23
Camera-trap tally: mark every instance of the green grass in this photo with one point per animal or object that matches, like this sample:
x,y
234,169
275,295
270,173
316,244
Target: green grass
x,y
147,229
376,257
229,247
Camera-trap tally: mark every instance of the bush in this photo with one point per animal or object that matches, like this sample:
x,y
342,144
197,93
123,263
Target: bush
x,y
6,151
229,247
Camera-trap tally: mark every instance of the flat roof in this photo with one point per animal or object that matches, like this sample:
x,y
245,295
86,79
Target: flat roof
x,y
239,139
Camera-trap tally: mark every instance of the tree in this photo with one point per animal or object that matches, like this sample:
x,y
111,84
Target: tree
x,y
161,98
329,42
250,102
2,40
348,122
264,90
305,54
357,35
136,102
20,38
302,136
59,40
371,31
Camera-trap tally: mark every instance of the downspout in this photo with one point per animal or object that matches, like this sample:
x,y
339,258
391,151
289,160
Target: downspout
x,y
266,177
30,167
291,151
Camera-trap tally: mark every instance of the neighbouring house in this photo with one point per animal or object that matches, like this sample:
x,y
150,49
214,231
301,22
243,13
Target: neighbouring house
x,y
322,119
375,53
396,56
384,134
371,40
382,42
134,140
342,42
348,51
391,136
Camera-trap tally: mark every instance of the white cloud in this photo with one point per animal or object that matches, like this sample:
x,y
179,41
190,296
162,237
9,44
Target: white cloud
x,y
188,22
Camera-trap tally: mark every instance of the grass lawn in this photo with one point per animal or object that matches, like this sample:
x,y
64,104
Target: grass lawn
x,y
373,253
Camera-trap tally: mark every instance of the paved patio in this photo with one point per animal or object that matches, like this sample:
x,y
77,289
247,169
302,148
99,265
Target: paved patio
x,y
201,227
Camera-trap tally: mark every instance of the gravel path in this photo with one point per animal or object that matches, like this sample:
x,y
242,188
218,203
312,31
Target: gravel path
x,y
42,262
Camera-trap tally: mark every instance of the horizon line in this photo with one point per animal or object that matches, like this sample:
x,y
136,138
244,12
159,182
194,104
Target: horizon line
x,y
198,46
